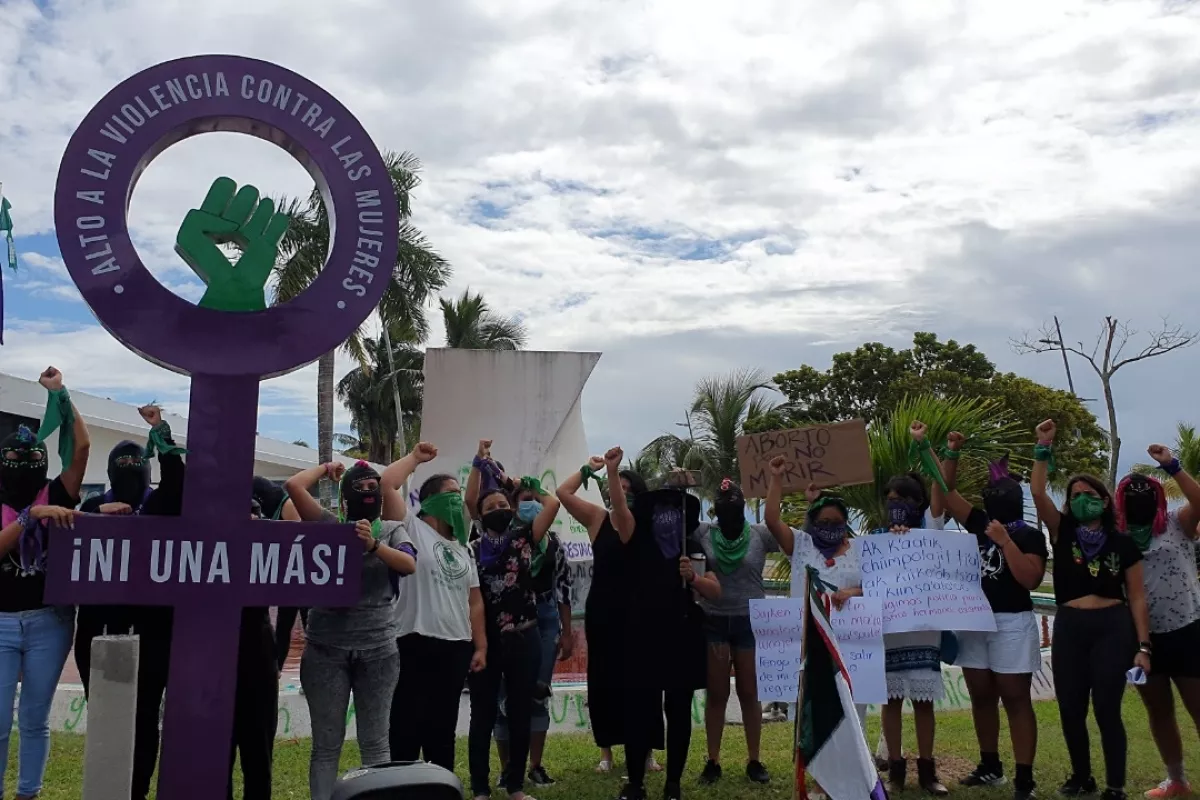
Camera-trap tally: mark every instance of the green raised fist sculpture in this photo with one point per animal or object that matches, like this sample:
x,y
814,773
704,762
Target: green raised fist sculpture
x,y
229,214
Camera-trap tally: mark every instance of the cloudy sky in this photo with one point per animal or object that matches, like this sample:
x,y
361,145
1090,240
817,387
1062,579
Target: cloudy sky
x,y
688,186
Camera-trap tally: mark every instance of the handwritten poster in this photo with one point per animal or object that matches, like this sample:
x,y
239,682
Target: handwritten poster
x,y
926,580
859,630
826,455
778,624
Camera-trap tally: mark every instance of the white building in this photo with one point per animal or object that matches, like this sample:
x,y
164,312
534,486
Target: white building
x,y
23,402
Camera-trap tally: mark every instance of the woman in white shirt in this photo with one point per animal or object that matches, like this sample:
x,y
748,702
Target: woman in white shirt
x,y
824,544
1166,540
439,616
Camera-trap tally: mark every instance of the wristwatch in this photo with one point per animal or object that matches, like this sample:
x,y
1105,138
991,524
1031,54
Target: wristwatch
x,y
1145,647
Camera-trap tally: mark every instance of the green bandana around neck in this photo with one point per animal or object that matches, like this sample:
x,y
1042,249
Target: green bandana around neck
x,y
447,507
1142,536
729,552
539,555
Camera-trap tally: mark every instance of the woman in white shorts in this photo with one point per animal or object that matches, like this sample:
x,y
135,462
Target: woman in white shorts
x,y
998,667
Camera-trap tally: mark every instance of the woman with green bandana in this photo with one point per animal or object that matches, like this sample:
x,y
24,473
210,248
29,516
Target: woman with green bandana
x,y
504,556
1100,591
34,637
1167,540
440,615
353,650
736,553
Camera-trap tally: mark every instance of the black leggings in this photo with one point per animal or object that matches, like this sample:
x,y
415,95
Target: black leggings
x,y
1090,654
643,725
425,705
514,659
285,620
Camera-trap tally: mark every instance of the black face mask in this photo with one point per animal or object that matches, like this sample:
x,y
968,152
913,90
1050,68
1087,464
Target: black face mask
x,y
1140,507
363,504
24,474
731,516
1004,502
497,521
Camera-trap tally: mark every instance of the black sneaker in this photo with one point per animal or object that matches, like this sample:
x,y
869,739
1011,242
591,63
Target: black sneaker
x,y
711,773
672,792
1078,787
1023,792
1113,794
756,772
538,776
632,793
984,776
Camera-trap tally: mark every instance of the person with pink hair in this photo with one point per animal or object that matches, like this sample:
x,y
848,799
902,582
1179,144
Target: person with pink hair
x,y
1166,540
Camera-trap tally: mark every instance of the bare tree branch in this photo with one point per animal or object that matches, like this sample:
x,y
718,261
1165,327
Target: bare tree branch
x,y
1046,341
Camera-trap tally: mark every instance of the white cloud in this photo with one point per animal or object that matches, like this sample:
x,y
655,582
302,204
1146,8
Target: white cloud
x,y
780,173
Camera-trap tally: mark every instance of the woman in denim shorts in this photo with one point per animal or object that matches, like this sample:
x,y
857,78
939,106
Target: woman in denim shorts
x,y
736,553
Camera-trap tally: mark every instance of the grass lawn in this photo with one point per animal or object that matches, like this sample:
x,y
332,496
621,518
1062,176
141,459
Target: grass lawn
x,y
571,759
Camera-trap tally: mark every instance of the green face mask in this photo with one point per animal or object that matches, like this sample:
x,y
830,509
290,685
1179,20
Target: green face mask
x,y
1086,507
447,507
1142,536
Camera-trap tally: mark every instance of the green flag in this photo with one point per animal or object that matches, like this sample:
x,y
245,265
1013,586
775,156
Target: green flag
x,y
6,226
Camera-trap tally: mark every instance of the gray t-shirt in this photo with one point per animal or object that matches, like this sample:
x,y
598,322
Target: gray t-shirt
x,y
745,583
372,622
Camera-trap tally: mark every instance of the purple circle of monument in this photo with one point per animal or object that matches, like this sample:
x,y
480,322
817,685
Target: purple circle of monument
x,y
172,101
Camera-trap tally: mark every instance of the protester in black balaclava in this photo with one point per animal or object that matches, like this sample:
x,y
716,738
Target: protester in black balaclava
x,y
128,476
999,665
736,553
34,510
352,651
152,624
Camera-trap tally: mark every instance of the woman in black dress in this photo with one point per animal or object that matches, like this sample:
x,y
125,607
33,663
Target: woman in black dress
x,y
664,653
604,616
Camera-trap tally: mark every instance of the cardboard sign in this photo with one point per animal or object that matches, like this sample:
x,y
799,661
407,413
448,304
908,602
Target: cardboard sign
x,y
825,455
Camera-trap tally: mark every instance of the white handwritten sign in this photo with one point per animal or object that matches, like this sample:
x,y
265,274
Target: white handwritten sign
x,y
927,581
778,624
859,630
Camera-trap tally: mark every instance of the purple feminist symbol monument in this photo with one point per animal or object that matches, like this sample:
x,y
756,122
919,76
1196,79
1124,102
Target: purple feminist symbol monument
x,y
213,560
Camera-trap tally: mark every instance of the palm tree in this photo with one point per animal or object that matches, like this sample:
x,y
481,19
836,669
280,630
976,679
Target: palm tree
x,y
471,325
369,393
719,411
1187,450
990,432
419,272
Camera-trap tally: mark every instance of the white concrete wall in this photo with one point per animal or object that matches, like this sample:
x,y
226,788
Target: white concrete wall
x,y
527,403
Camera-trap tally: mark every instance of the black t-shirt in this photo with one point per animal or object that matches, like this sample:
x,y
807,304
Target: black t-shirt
x,y
1076,576
1001,588
25,592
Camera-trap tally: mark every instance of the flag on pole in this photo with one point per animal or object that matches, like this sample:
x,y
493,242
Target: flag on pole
x,y
829,740
6,226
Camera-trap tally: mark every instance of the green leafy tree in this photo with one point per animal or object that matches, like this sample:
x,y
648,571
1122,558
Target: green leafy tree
x,y
472,325
871,382
418,274
369,391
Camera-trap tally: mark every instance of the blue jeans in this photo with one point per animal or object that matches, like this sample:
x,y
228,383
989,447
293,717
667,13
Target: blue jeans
x,y
33,648
549,630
